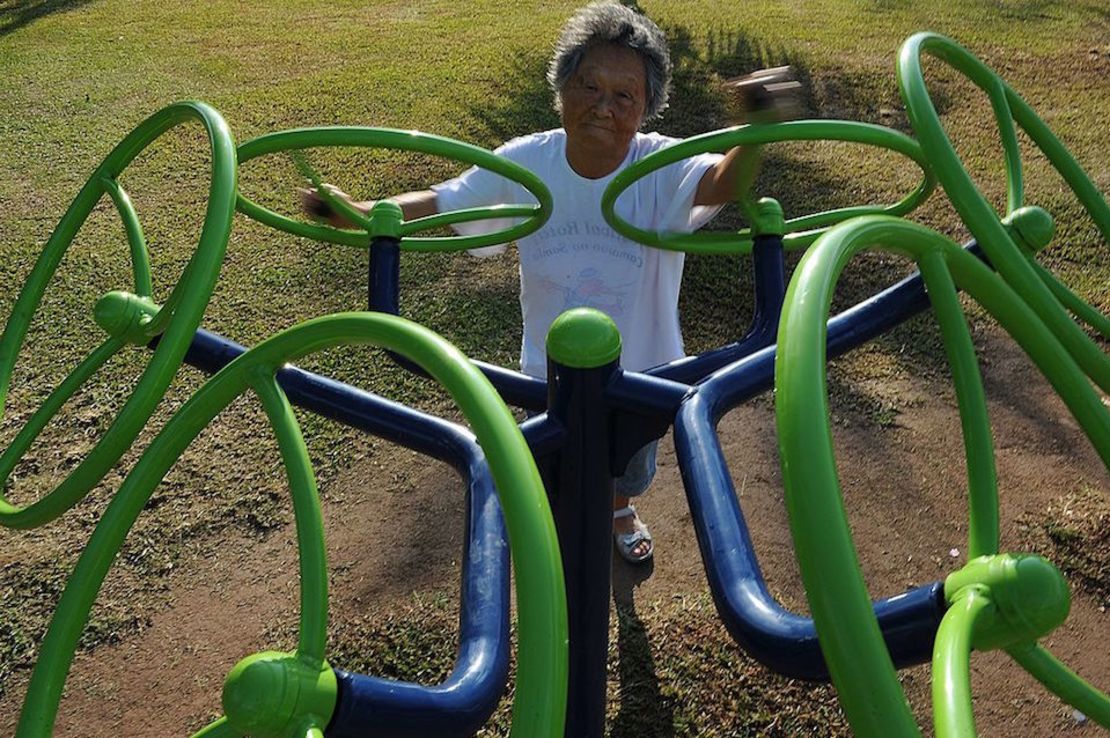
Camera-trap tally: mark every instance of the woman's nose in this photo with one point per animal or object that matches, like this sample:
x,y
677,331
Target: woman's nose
x,y
604,104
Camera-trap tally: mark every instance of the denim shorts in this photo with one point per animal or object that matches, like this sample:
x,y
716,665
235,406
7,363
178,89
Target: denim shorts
x,y
639,473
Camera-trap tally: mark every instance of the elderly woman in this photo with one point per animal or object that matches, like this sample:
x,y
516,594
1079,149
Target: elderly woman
x,y
610,74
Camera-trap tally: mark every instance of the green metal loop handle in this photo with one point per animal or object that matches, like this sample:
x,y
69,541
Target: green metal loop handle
x,y
952,712
801,231
540,701
176,321
1010,261
386,138
847,629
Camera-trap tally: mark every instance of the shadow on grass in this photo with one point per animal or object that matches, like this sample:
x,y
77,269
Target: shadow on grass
x,y
14,14
696,103
643,710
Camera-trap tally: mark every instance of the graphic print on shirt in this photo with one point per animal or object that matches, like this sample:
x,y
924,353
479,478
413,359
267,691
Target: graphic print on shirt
x,y
587,289
583,263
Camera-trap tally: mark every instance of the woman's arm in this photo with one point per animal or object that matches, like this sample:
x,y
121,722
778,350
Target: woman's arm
x,y
766,96
730,178
416,204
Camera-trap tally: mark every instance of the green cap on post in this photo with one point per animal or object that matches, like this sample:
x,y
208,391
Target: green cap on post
x,y
270,694
583,338
767,218
1033,226
126,316
1030,595
385,219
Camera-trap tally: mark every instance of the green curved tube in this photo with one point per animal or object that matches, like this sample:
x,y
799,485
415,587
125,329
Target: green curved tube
x,y
1063,682
140,257
311,552
180,316
952,712
974,209
220,728
800,231
838,597
303,138
49,408
982,479
540,703
1068,299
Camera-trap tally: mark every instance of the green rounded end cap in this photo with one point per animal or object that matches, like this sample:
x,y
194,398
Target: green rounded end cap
x,y
268,693
126,316
385,219
1040,599
768,218
1030,597
583,338
1033,226
254,693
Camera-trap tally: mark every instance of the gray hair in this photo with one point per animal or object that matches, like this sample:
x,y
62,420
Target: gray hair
x,y
608,22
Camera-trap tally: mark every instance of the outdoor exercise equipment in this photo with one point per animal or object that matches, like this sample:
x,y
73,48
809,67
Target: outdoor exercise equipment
x,y
1010,251
592,417
295,694
299,693
996,600
598,415
532,216
797,232
175,322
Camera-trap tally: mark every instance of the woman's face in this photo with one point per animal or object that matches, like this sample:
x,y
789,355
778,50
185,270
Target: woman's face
x,y
603,101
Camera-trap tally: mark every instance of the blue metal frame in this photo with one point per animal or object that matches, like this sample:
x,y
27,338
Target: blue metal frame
x,y
464,702
692,394
579,483
769,269
595,420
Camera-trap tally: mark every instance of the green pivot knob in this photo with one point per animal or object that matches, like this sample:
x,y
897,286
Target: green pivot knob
x,y
1029,594
273,694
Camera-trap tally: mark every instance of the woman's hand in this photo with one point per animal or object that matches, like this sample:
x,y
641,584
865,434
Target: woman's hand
x,y
317,207
768,95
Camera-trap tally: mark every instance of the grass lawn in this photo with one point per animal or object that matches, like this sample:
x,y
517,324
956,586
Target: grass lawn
x,y
77,75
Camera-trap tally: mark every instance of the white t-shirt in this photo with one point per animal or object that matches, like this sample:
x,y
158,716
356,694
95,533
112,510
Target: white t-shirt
x,y
576,259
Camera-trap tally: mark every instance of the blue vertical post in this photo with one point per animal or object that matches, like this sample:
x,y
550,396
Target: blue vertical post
x,y
385,257
583,348
384,281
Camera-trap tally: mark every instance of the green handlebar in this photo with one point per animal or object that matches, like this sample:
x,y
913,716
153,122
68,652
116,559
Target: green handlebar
x,y
842,612
800,231
303,138
175,322
980,218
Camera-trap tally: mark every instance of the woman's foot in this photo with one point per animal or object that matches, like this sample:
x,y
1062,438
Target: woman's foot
x,y
631,537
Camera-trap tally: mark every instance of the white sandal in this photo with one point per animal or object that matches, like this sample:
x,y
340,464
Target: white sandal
x,y
627,542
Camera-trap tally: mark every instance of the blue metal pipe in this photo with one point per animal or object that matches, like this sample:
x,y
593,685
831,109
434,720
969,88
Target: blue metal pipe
x,y
769,269
853,327
465,701
580,489
384,286
784,641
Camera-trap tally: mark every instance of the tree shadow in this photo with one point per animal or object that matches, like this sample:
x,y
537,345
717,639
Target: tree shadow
x,y
14,14
643,711
1023,10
